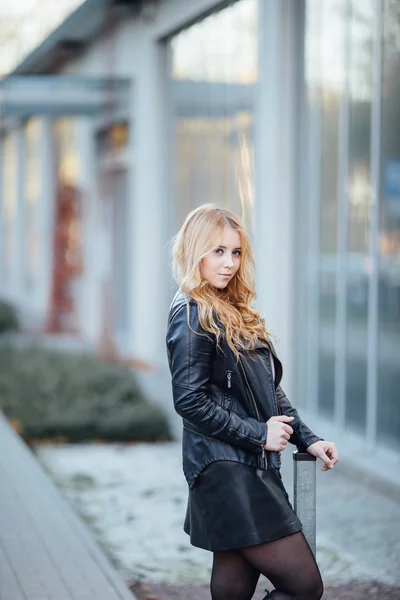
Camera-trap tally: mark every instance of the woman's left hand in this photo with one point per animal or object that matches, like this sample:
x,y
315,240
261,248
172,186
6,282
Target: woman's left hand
x,y
326,451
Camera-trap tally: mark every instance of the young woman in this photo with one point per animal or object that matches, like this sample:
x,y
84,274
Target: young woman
x,y
236,417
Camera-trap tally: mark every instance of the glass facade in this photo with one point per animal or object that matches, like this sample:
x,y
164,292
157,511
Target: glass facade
x,y
350,213
213,86
344,39
360,33
325,91
388,419
67,243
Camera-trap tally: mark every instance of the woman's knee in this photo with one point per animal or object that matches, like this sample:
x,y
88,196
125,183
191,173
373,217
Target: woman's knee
x,y
231,591
314,590
320,590
232,577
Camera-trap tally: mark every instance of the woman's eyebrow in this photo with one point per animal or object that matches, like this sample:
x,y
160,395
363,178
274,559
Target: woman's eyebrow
x,y
225,248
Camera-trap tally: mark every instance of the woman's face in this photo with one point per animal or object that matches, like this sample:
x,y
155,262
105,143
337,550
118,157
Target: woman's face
x,y
221,264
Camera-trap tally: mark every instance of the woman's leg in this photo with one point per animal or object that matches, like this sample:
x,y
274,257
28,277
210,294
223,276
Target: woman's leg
x,y
290,566
232,576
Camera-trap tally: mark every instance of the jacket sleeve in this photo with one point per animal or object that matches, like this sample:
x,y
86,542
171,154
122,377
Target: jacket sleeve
x,y
191,355
302,436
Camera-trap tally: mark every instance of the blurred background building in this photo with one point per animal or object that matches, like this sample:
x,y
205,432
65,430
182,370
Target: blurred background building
x,y
120,116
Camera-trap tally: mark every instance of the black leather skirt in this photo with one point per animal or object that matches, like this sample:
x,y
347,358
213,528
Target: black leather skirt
x,y
233,505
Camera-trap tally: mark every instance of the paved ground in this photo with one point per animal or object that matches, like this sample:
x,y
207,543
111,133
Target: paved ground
x,y
350,591
46,552
358,522
358,525
358,515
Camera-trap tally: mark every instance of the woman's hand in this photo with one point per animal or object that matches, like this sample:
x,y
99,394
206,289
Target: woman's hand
x,y
326,451
278,432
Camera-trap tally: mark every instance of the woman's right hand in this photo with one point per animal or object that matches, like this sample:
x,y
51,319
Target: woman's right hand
x,y
278,433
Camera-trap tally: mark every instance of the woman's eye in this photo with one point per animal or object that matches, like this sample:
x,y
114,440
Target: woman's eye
x,y
236,252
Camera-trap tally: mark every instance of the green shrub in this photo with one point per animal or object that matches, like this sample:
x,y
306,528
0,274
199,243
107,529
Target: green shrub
x,y
78,396
8,317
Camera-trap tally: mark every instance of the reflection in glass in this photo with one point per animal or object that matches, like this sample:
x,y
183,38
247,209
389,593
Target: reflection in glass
x,y
358,209
389,238
214,69
339,50
325,79
66,286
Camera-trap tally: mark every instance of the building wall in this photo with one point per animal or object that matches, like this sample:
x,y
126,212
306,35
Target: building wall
x,y
352,223
152,165
317,145
298,146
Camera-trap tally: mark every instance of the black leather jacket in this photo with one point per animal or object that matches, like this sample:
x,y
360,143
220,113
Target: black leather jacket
x,y
224,413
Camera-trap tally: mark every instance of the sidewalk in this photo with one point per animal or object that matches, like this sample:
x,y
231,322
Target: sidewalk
x,y
358,527
358,542
46,551
358,523
350,591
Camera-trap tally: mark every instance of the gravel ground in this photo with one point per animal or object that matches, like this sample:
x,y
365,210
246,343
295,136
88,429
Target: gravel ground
x,y
353,590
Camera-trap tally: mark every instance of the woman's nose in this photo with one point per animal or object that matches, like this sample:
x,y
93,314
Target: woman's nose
x,y
228,261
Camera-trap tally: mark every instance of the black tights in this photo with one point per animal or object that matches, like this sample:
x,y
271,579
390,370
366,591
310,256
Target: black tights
x,y
288,564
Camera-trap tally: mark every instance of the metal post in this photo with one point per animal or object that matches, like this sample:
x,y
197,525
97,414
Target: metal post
x,y
304,494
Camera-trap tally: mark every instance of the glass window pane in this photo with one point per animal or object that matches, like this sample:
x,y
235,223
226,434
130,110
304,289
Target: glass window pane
x,y
325,30
389,236
66,290
358,209
214,71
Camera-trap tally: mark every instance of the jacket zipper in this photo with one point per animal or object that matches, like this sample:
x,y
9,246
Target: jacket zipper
x,y
278,408
229,378
273,382
255,406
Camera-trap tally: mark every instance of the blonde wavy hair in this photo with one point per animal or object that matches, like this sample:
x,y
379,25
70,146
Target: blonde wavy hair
x,y
199,235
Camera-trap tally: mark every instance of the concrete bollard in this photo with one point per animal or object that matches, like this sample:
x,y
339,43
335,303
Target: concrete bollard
x,y
304,494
